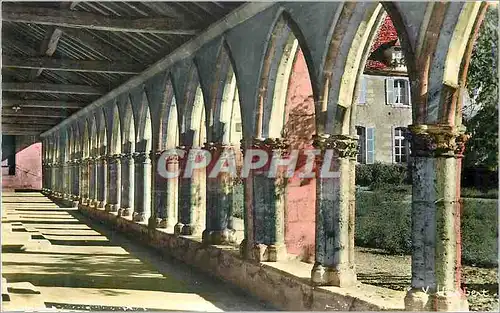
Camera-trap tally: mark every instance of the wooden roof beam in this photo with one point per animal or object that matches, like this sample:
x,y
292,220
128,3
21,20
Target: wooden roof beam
x,y
70,65
80,19
52,88
35,112
42,104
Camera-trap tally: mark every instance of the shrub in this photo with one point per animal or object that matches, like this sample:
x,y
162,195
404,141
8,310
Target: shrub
x,y
373,175
383,220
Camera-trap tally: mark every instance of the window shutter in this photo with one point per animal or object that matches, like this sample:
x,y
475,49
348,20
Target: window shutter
x,y
370,145
409,91
362,90
389,90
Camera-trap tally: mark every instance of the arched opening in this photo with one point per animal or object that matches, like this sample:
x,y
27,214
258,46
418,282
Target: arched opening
x,y
128,128
288,114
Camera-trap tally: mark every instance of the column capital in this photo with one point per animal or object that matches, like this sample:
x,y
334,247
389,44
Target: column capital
x,y
267,144
216,146
437,140
345,146
114,158
141,156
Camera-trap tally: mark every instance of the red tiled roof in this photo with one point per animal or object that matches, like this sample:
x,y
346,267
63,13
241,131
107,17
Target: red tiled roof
x,y
387,32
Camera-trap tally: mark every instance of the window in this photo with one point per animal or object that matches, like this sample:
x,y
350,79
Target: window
x,y
397,91
361,132
398,58
401,145
8,155
366,145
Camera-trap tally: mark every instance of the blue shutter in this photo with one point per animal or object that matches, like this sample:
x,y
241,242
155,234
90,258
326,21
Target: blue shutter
x,y
362,90
370,145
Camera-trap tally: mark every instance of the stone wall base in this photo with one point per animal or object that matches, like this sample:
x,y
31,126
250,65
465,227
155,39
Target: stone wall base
x,y
286,285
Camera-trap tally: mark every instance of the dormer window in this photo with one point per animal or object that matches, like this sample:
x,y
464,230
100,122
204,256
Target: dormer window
x,y
398,58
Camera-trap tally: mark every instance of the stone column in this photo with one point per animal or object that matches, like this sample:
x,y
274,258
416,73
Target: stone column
x,y
269,204
76,182
436,239
333,260
142,211
128,185
219,220
192,200
114,183
102,185
85,181
168,196
55,173
67,179
93,181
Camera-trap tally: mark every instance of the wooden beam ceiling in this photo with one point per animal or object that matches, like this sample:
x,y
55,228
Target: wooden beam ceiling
x,y
30,120
71,65
42,104
79,19
35,112
52,88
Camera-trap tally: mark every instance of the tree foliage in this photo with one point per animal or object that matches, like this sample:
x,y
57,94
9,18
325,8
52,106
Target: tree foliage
x,y
482,82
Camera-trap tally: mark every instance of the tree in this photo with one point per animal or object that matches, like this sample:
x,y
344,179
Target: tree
x,y
482,82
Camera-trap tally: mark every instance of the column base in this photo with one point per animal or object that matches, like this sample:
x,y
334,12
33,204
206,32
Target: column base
x,y
448,301
125,212
101,204
178,229
164,223
268,253
75,204
246,250
219,237
138,217
326,276
189,230
111,207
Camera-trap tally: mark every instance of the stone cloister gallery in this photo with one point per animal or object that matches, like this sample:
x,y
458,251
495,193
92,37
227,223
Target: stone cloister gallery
x,y
104,158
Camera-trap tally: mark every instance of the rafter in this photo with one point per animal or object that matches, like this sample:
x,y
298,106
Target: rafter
x,y
35,112
30,120
48,47
71,65
42,104
52,88
78,19
22,129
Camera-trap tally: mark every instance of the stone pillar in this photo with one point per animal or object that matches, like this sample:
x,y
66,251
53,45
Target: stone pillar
x,y
85,182
114,183
128,185
76,182
219,221
167,195
192,200
334,264
142,211
93,181
55,180
436,252
102,185
67,179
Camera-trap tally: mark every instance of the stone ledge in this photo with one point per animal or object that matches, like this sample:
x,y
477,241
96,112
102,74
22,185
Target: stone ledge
x,y
283,284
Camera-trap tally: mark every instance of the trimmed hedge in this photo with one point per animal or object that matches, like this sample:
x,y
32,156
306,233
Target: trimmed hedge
x,y
383,220
378,174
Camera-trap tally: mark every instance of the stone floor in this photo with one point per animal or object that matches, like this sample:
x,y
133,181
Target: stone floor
x,y
55,259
